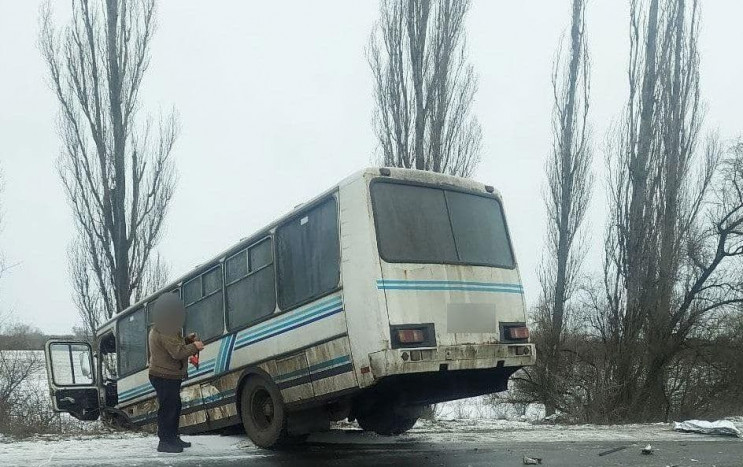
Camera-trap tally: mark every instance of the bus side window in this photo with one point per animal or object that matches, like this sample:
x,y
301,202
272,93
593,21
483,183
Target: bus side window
x,y
308,255
107,353
204,307
251,290
132,342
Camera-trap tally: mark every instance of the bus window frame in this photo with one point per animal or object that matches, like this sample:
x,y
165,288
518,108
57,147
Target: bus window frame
x,y
301,213
444,188
250,272
122,375
199,276
69,345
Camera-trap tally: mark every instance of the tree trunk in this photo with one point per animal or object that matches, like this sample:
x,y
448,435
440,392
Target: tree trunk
x,y
120,240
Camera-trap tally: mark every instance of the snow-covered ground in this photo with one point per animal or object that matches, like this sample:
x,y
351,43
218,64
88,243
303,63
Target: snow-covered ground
x,y
34,394
487,408
130,449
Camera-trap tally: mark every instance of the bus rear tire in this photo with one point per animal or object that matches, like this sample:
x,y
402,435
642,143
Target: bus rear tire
x,y
385,421
263,413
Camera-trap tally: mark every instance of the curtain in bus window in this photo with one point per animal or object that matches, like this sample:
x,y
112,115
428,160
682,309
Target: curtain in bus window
x,y
308,255
412,224
479,229
132,342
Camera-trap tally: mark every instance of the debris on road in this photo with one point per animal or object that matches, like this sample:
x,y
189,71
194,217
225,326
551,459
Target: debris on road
x,y
612,450
720,427
647,450
532,460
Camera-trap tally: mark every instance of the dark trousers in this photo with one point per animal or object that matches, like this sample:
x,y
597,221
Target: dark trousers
x,y
168,414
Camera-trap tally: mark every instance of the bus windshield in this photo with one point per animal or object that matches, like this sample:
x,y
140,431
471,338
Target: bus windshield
x,y
420,224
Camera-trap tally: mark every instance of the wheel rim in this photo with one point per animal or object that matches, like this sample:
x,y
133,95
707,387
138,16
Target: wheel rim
x,y
262,408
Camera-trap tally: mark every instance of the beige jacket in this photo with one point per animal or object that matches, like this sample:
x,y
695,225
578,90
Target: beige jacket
x,y
169,355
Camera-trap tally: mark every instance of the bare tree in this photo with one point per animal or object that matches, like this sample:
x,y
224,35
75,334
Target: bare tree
x,y
673,234
569,184
116,166
424,87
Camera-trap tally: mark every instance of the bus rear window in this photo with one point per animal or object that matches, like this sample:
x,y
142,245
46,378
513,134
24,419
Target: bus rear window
x,y
419,224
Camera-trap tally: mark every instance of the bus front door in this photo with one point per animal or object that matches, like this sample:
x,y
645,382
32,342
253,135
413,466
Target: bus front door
x,y
69,369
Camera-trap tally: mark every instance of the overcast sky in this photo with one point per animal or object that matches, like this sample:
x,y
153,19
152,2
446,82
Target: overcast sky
x,y
275,104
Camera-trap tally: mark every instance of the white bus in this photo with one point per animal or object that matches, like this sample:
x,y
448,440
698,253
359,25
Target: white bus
x,y
393,290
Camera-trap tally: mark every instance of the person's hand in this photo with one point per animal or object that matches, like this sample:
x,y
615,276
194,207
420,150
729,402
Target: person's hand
x,y
199,345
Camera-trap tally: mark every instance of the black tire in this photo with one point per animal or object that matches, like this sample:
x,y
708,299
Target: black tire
x,y
263,413
385,421
403,424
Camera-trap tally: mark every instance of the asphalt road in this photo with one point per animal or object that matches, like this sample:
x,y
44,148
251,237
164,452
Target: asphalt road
x,y
455,443
715,452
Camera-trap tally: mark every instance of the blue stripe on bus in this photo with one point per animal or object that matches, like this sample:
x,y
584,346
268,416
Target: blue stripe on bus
x,y
150,416
221,355
335,301
228,358
345,359
292,375
303,318
193,372
135,390
142,389
330,363
385,284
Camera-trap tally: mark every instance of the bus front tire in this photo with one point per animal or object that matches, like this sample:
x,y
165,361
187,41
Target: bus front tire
x,y
263,413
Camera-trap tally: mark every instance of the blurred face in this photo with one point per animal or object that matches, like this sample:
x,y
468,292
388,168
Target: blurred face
x,y
177,318
170,314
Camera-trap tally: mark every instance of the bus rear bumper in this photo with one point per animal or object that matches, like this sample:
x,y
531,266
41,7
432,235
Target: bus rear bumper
x,y
450,358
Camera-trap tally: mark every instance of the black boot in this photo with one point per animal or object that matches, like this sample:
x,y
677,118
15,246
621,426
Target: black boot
x,y
173,447
184,444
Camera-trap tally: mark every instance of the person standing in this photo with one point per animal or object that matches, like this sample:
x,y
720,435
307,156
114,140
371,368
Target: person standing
x,y
169,352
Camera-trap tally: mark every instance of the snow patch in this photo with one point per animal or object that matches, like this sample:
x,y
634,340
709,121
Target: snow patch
x,y
130,449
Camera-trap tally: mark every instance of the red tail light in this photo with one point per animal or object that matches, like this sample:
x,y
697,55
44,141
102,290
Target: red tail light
x,y
410,336
521,332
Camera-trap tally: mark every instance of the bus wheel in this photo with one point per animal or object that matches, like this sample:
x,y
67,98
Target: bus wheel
x,y
385,421
262,410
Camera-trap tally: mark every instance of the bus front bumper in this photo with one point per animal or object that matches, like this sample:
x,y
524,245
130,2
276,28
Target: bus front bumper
x,y
451,358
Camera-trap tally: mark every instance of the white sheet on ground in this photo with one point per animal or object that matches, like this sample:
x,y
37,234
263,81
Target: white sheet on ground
x,y
720,427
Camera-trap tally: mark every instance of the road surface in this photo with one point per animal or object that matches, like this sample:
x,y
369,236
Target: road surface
x,y
576,453
454,444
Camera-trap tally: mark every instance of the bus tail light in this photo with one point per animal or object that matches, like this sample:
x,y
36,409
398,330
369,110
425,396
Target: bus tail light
x,y
410,336
517,332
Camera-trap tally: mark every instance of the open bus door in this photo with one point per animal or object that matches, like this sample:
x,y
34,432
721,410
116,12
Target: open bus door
x,y
69,369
